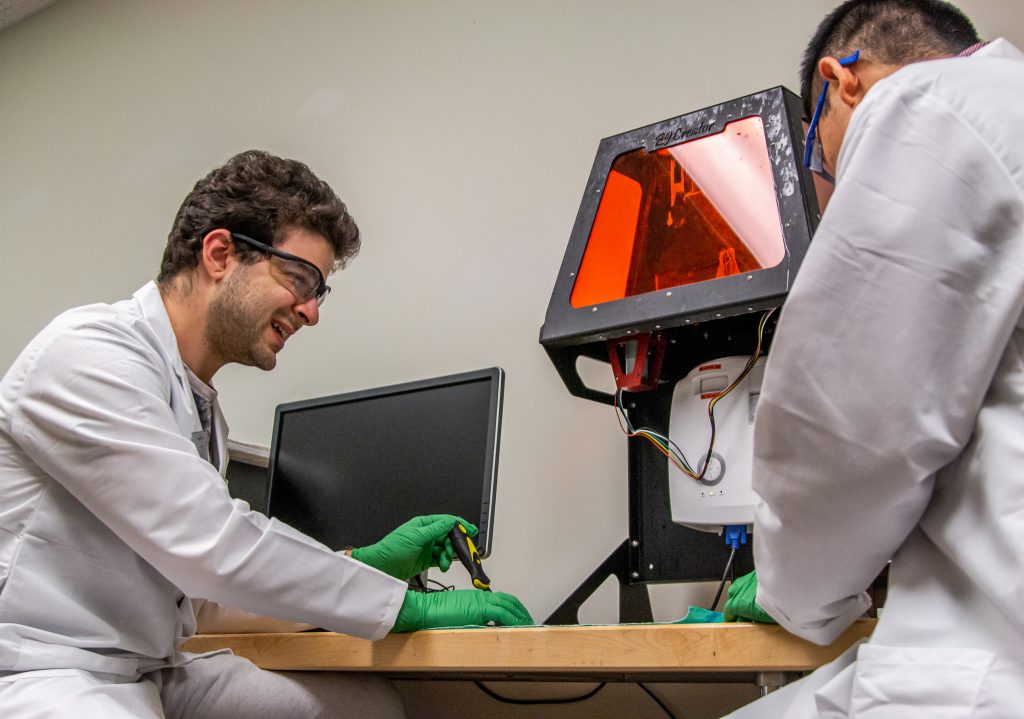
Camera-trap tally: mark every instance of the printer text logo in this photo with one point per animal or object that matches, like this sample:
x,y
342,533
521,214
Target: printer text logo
x,y
681,133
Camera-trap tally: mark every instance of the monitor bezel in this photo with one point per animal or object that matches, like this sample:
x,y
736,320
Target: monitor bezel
x,y
496,378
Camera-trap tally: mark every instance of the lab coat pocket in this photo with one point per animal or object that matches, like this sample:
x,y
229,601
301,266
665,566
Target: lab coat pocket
x,y
917,683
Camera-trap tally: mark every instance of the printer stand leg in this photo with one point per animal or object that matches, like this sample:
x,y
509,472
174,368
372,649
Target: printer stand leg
x,y
634,601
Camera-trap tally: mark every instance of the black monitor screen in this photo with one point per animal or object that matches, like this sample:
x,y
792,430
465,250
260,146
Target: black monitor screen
x,y
348,469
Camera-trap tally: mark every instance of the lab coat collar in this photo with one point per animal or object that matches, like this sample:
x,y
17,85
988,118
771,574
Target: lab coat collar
x,y
999,48
152,307
1002,48
151,304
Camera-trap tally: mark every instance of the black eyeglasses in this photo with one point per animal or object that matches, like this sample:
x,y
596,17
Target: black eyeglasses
x,y
302,278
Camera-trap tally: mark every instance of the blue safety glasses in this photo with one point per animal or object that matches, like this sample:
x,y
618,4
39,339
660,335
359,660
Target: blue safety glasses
x,y
813,153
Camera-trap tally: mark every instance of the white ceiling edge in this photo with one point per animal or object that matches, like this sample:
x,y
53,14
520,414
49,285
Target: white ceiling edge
x,y
13,11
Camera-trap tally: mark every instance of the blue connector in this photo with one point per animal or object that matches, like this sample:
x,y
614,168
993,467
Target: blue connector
x,y
735,535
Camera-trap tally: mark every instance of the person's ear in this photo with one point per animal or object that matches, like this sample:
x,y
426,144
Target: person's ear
x,y
849,87
216,255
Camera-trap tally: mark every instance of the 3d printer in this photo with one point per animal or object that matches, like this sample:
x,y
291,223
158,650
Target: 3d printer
x,y
688,237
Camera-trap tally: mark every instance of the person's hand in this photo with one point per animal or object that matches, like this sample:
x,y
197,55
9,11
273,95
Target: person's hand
x,y
741,605
458,608
417,545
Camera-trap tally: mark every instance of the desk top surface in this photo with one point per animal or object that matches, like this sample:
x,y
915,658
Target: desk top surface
x,y
627,650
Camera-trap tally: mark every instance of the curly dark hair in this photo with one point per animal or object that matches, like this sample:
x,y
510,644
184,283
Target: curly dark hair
x,y
263,196
893,32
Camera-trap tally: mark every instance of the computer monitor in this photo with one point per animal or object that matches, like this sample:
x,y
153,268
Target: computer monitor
x,y
349,468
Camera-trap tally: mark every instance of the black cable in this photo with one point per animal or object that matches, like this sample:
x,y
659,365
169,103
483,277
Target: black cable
x,y
417,585
652,695
443,587
725,576
567,700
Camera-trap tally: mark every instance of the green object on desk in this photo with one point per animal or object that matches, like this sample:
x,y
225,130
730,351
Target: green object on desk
x,y
741,606
414,547
700,615
424,610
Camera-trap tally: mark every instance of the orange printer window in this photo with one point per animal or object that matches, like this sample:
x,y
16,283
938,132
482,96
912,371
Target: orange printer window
x,y
694,212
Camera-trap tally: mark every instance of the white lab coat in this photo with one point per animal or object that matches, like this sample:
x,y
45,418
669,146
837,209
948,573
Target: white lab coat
x,y
891,420
110,520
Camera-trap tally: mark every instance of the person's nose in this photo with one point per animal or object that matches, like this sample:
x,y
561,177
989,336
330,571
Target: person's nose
x,y
309,311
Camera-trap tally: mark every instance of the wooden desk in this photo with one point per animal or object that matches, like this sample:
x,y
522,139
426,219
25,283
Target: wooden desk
x,y
665,652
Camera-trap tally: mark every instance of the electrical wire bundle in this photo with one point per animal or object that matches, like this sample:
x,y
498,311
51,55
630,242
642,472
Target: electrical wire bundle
x,y
664,444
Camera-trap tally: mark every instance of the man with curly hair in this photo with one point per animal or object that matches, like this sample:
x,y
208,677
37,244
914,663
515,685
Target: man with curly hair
x,y
117,532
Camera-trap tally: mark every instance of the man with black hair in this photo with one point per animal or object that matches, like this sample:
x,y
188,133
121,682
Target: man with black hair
x,y
891,416
117,532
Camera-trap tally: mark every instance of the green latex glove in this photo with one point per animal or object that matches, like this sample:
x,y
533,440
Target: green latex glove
x,y
459,608
741,605
417,545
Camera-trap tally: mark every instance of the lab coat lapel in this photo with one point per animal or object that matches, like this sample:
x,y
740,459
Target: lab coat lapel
x,y
185,411
183,404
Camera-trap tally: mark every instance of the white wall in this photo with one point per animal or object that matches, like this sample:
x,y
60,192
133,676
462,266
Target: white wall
x,y
461,135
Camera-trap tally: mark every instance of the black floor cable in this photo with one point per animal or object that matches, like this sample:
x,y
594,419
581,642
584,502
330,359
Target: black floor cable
x,y
725,576
567,700
572,700
659,702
